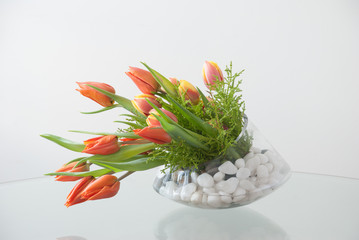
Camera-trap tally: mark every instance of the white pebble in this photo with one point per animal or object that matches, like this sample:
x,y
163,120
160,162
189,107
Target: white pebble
x,y
240,163
253,163
255,150
269,166
263,158
187,191
228,186
228,168
246,184
204,199
209,191
223,193
237,199
194,177
248,156
219,176
214,201
239,191
205,180
262,171
177,194
226,199
196,197
243,173
170,189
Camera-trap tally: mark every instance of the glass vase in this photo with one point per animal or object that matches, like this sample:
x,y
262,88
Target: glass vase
x,y
250,170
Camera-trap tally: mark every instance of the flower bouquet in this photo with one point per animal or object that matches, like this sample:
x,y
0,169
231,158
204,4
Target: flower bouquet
x,y
211,155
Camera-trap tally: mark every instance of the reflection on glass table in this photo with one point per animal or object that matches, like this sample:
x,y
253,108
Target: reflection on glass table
x,y
308,206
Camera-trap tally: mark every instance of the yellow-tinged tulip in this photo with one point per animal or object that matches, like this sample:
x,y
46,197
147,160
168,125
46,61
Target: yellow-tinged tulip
x,y
95,95
152,120
141,104
143,80
189,91
211,73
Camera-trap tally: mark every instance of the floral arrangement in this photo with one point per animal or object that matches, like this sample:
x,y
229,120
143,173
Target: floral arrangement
x,y
172,123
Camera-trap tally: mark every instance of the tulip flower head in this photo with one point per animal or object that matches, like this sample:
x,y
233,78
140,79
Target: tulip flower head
x,y
152,120
189,91
141,104
174,81
143,80
105,186
74,196
95,95
104,145
211,73
154,134
83,167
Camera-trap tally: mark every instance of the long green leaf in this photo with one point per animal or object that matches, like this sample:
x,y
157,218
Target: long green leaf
x,y
164,82
73,146
208,129
131,124
124,102
135,165
134,117
103,109
203,97
94,173
179,134
126,135
124,153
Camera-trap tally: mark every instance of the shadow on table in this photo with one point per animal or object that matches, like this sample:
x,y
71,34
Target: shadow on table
x,y
241,223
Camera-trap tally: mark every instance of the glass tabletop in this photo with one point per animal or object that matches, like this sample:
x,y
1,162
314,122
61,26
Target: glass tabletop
x,y
308,206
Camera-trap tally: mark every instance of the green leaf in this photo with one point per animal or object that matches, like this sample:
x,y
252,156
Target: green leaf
x,y
103,109
94,173
194,119
164,82
120,134
203,97
131,124
135,165
124,102
180,134
73,146
134,117
124,153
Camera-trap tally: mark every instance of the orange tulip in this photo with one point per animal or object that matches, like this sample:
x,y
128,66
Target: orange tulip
x,y
189,91
74,196
143,80
70,168
105,186
141,104
95,95
104,145
211,73
154,134
153,122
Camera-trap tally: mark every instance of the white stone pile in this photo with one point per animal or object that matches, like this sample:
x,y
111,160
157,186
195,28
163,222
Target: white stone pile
x,y
231,184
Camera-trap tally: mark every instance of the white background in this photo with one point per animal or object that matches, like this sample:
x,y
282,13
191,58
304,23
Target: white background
x,y
300,84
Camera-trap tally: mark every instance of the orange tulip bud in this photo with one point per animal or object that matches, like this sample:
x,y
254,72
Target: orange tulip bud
x,y
102,145
95,95
74,196
105,186
211,73
141,104
154,134
143,80
83,167
152,120
189,91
